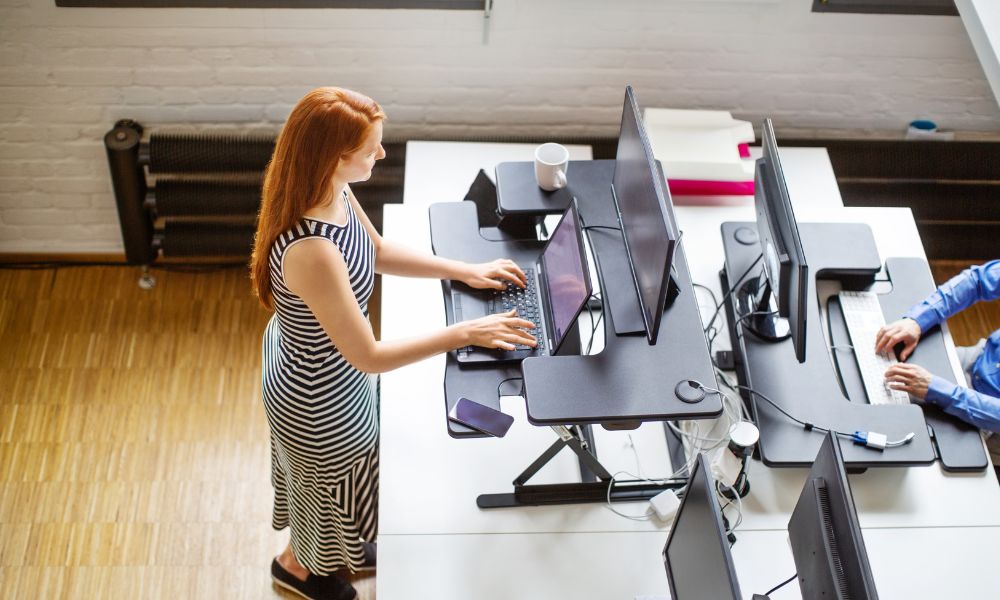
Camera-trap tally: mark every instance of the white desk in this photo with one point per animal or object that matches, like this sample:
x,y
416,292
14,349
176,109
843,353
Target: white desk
x,y
432,535
912,564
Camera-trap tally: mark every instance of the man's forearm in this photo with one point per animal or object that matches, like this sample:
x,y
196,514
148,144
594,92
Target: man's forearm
x,y
980,282
967,404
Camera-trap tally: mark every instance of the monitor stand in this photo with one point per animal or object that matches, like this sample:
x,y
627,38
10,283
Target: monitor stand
x,y
757,310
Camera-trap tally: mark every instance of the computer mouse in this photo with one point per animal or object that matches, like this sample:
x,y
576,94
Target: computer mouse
x,y
690,391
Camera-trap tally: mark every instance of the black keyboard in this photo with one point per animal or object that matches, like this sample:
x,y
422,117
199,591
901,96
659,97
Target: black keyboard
x,y
525,301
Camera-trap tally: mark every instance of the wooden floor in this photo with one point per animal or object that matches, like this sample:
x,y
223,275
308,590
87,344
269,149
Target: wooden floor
x,y
134,458
133,443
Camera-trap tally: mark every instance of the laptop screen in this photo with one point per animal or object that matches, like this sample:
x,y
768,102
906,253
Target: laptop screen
x,y
566,275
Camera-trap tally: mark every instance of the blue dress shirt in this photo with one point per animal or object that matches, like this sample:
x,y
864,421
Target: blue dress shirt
x,y
981,404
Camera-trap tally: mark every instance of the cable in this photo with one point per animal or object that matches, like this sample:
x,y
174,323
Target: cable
x,y
644,517
715,302
872,439
596,295
739,504
732,288
808,426
715,442
594,324
781,585
635,453
725,380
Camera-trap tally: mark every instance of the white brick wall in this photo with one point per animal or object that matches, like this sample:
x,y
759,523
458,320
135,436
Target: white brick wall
x,y
554,66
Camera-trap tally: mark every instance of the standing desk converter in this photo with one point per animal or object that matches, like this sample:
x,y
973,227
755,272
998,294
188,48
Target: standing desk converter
x,y
629,381
830,393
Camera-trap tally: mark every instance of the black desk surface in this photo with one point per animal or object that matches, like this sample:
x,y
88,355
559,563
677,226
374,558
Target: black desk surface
x,y
812,391
629,381
518,192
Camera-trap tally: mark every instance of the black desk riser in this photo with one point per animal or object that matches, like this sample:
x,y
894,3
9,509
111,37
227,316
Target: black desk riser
x,y
627,383
812,391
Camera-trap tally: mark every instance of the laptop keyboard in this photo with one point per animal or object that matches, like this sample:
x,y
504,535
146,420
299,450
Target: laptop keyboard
x,y
525,302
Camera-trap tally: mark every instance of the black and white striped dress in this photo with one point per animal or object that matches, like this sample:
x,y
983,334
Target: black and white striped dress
x,y
323,413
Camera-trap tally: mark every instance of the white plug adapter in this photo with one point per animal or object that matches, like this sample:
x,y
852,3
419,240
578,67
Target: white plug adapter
x,y
665,505
726,467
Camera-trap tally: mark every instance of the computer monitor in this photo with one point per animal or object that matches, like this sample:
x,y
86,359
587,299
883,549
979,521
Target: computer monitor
x,y
696,556
827,546
645,214
784,276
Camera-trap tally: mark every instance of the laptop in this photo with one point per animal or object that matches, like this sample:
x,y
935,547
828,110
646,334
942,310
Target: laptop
x,y
558,287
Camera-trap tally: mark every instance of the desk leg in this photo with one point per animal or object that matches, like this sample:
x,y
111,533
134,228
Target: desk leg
x,y
580,441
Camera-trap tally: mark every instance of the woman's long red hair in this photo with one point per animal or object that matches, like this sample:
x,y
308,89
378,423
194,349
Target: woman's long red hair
x,y
325,125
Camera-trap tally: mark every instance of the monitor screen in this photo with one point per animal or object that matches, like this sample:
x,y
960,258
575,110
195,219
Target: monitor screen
x,y
697,556
645,212
829,551
566,274
783,257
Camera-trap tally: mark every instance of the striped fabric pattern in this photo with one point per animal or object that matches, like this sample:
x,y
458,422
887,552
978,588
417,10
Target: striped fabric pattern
x,y
322,412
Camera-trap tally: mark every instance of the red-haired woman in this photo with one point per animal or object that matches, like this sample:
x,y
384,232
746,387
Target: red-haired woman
x,y
314,262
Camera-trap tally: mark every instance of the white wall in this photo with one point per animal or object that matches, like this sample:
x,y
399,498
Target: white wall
x,y
543,67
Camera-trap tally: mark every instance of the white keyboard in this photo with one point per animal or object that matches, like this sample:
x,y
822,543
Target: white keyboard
x,y
863,315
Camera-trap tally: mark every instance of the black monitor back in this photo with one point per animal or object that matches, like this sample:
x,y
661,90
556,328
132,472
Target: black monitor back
x,y
645,212
696,556
784,259
826,540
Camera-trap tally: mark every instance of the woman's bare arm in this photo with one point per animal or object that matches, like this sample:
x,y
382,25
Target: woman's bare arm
x,y
396,259
314,270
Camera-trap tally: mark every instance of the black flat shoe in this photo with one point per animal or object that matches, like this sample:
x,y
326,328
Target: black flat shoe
x,y
370,555
315,587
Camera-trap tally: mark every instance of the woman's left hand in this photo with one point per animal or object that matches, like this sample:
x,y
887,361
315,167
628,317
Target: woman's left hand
x,y
493,275
911,379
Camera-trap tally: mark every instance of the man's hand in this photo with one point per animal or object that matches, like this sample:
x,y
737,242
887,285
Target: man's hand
x,y
905,331
911,379
494,275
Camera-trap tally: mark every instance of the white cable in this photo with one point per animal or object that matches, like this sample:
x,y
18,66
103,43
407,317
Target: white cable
x,y
638,465
732,386
733,411
644,517
739,505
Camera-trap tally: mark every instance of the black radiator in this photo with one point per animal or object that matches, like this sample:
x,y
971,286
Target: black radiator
x,y
184,195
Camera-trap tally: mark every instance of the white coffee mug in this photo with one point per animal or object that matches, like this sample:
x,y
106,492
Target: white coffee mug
x,y
551,163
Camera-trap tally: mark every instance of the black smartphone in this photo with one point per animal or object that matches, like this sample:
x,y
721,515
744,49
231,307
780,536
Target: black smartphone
x,y
481,418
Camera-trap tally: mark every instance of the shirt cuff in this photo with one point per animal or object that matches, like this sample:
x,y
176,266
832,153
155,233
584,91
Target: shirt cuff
x,y
940,392
926,319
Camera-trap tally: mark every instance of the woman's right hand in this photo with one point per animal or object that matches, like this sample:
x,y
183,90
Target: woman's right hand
x,y
498,331
903,331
